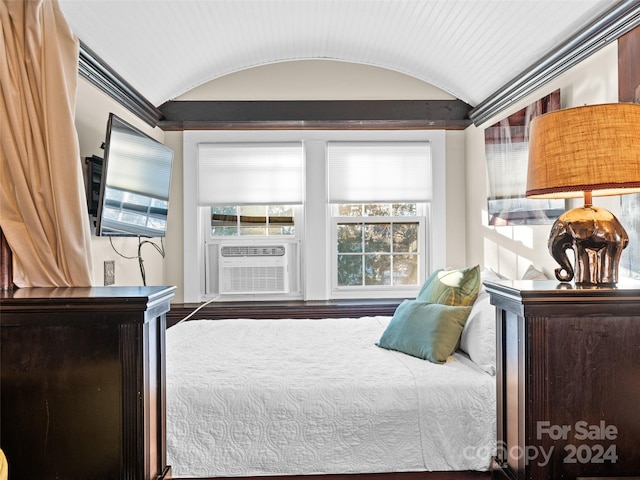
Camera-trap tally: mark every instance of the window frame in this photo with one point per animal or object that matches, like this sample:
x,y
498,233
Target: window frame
x,y
315,249
367,291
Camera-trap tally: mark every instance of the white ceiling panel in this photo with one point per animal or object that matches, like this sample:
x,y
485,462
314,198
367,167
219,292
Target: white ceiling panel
x,y
469,48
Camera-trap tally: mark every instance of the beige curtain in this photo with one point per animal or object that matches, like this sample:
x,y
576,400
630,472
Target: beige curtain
x,y
43,211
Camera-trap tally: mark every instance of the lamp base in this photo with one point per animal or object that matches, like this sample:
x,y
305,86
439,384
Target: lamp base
x,y
597,239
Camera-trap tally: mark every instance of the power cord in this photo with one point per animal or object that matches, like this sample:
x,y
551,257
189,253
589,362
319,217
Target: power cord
x,y
160,250
196,311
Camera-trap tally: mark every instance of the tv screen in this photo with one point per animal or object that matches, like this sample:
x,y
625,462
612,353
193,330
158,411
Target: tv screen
x,y
134,188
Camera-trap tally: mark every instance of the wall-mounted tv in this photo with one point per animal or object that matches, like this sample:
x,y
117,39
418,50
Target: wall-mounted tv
x,y
134,185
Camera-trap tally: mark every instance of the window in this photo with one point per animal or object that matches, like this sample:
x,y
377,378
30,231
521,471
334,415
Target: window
x,y
388,184
378,245
507,153
380,241
253,220
250,196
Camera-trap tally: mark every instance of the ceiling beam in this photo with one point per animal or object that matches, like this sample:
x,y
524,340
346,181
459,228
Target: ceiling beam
x,y
315,114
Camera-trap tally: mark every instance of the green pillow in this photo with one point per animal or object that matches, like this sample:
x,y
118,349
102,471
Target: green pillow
x,y
452,287
425,330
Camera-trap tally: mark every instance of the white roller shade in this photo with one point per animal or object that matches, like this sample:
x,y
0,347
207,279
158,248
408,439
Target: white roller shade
x,y
250,174
379,172
507,169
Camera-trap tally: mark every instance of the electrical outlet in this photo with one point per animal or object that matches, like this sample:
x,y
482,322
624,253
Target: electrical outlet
x,y
109,272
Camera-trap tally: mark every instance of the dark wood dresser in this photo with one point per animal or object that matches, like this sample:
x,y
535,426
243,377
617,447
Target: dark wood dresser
x,y
83,382
568,376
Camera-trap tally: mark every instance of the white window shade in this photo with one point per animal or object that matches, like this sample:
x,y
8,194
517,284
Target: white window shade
x,y
250,174
379,172
507,169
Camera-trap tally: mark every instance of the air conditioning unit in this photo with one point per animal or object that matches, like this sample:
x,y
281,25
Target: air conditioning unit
x,y
250,269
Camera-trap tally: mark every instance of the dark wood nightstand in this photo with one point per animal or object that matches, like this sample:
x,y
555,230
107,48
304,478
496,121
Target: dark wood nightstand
x,y
83,382
568,379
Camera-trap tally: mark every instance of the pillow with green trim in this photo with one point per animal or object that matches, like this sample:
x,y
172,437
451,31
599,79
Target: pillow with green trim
x,y
452,287
430,331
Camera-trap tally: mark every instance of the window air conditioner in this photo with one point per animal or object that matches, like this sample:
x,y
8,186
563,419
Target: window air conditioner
x,y
249,269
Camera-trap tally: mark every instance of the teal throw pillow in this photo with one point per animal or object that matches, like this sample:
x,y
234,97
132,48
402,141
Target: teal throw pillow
x,y
425,330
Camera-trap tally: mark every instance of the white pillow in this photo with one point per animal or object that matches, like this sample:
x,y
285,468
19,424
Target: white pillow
x,y
490,275
533,273
478,337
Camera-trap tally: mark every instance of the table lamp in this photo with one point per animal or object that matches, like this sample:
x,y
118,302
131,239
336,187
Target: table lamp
x,y
586,151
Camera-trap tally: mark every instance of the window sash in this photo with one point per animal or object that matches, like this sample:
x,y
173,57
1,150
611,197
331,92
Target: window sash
x,y
241,223
379,172
420,252
250,174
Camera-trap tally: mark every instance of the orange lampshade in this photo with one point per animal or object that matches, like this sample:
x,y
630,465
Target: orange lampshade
x,y
594,148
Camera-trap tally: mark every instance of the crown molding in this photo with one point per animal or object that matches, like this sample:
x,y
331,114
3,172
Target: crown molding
x,y
97,72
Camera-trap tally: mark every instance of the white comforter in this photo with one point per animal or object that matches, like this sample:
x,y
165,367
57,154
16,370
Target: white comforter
x,y
269,397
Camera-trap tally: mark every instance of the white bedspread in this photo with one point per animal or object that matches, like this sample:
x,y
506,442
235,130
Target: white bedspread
x,y
269,397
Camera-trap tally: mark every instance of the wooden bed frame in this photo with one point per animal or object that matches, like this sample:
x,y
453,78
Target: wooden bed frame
x,y
267,310
276,310
6,264
312,310
464,475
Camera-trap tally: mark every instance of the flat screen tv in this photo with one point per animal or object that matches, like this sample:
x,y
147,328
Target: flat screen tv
x,y
134,185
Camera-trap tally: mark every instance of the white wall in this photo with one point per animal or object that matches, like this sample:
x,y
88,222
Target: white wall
x,y
510,250
92,111
300,80
322,80
174,241
316,253
316,80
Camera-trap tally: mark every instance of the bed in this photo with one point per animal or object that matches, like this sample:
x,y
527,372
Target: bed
x,y
250,397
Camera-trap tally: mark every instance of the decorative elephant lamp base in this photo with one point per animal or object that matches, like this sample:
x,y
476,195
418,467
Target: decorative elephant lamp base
x,y
597,239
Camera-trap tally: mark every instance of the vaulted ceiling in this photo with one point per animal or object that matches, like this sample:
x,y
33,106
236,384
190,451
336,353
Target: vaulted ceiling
x,y
468,48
